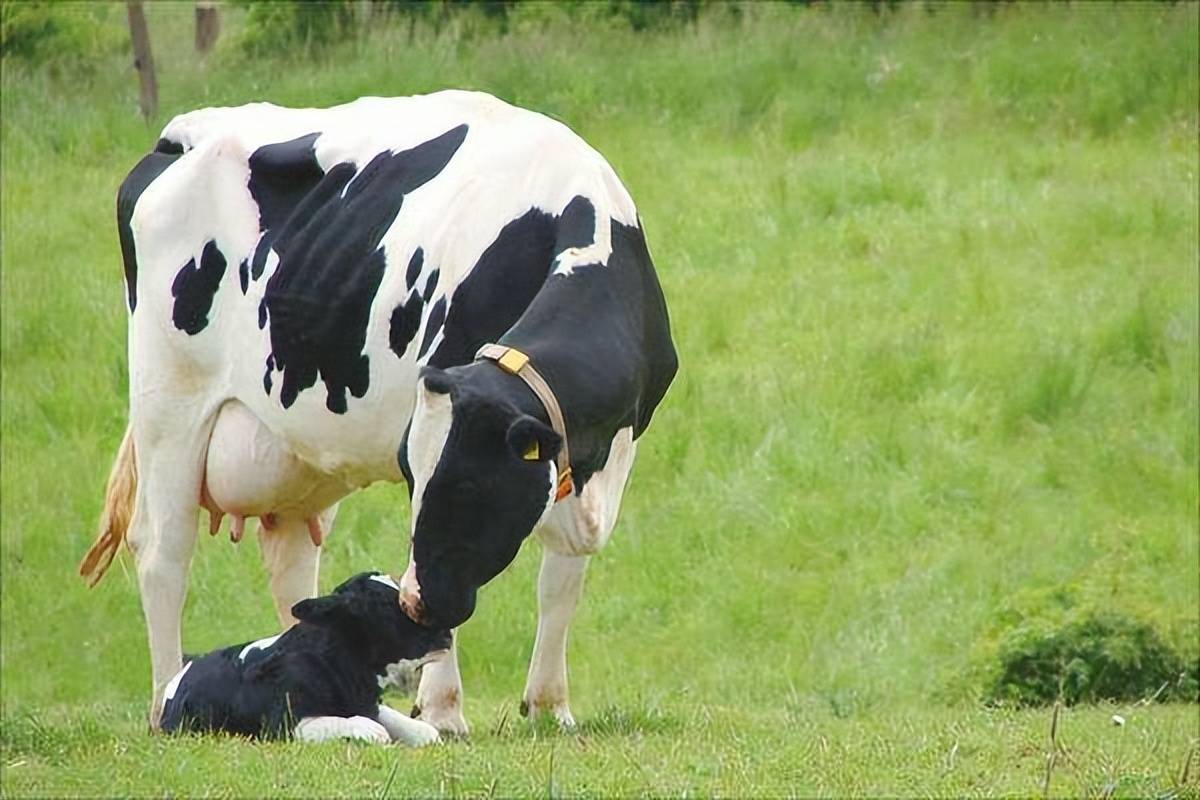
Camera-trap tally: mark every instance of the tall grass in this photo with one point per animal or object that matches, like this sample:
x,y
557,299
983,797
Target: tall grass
x,y
933,279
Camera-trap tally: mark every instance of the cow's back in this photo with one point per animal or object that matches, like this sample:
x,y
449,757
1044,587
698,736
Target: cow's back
x,y
307,262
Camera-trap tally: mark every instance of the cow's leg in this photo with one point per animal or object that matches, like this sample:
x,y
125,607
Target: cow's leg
x,y
292,560
439,697
560,582
162,536
575,528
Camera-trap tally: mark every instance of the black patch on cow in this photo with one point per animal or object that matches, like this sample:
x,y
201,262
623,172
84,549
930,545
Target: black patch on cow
x,y
576,225
330,267
259,259
508,275
498,288
193,290
406,319
168,147
402,460
267,383
430,285
281,176
141,176
262,314
244,275
437,316
414,268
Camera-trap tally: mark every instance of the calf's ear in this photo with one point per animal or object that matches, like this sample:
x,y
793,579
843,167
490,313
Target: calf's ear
x,y
530,439
328,610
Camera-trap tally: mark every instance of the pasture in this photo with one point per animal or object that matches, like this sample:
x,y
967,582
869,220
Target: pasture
x,y
933,281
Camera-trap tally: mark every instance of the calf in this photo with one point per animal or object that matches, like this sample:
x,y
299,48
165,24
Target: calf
x,y
322,679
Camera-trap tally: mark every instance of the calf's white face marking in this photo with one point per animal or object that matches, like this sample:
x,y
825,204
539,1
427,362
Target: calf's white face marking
x,y
261,644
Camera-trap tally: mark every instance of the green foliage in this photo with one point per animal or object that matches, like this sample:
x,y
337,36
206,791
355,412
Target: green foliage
x,y
62,36
1086,657
275,27
285,24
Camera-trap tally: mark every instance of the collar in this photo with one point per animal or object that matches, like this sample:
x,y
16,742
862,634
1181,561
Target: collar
x,y
514,362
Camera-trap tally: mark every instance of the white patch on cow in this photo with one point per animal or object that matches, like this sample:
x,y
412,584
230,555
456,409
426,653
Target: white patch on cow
x,y
173,686
581,524
386,580
552,494
261,644
596,253
426,441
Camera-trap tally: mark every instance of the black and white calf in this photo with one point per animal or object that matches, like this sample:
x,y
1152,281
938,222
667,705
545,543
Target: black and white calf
x,y
321,679
308,292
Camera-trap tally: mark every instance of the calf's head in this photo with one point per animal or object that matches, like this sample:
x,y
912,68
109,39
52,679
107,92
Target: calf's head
x,y
482,474
365,609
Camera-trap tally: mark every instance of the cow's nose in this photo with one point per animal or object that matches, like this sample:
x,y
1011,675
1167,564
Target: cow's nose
x,y
410,594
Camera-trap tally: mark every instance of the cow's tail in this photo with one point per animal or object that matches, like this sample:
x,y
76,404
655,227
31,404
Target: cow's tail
x,y
118,512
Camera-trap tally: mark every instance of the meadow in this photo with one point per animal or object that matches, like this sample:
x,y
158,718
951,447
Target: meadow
x,y
933,280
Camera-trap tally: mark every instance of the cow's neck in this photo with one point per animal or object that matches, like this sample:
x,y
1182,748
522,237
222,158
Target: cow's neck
x,y
586,333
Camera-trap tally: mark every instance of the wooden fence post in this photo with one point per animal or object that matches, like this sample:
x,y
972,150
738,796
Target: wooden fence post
x,y
208,25
143,60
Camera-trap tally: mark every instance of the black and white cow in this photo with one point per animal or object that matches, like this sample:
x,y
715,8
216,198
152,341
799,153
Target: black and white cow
x,y
308,292
321,679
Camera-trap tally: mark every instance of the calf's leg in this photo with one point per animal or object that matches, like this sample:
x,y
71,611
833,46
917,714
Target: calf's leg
x,y
322,729
412,732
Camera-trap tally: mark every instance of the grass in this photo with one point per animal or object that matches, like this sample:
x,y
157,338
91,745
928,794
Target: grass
x,y
933,281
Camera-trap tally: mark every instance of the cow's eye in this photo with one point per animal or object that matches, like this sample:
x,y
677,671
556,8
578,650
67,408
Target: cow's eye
x,y
532,453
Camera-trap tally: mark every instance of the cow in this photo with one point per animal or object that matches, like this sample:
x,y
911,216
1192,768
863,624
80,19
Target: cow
x,y
442,289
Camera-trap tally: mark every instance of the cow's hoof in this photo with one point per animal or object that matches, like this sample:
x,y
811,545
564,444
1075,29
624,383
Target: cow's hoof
x,y
561,712
448,721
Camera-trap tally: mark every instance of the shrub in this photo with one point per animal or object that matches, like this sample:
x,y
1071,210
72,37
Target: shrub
x,y
1059,647
308,24
63,35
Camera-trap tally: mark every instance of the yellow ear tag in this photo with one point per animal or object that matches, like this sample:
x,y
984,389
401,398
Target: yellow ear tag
x,y
532,454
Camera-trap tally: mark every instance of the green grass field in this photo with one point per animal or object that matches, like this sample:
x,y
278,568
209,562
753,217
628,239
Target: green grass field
x,y
933,280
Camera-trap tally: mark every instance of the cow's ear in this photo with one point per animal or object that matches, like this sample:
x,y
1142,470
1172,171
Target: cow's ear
x,y
437,380
532,440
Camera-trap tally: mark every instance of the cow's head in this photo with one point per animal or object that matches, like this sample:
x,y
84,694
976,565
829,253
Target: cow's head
x,y
481,469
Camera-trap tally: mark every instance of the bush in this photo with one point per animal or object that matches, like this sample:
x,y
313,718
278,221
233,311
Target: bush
x,y
63,35
278,26
308,24
1059,647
